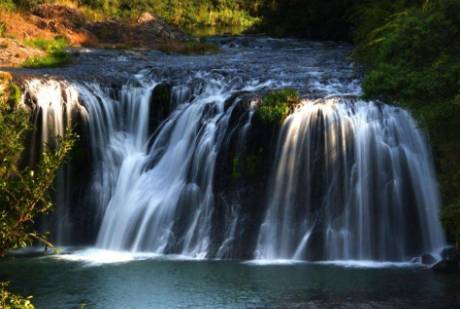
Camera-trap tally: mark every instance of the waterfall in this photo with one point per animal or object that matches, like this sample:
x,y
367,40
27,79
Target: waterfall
x,y
54,103
177,159
163,198
352,180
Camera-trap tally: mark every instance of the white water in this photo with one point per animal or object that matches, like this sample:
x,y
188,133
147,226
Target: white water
x,y
163,198
54,103
353,180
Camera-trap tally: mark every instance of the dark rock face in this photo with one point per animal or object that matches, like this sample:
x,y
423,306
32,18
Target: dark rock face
x,y
160,106
450,259
146,33
68,17
242,175
450,254
427,259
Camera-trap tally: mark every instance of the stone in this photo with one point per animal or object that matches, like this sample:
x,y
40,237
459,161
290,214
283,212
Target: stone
x,y
146,17
428,259
444,266
449,263
69,17
450,254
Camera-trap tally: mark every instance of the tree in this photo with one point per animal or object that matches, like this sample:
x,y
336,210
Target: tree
x,y
23,189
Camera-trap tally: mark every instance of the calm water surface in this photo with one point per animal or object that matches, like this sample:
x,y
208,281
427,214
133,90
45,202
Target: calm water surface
x,y
71,280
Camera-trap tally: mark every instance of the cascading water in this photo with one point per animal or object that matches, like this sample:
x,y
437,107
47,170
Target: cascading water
x,y
163,199
349,180
55,102
353,180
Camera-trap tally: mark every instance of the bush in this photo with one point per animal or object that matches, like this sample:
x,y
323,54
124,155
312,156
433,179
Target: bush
x,y
56,53
411,56
9,300
7,5
277,105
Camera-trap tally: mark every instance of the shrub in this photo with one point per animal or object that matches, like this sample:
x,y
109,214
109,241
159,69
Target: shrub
x,y
56,53
277,105
411,56
2,29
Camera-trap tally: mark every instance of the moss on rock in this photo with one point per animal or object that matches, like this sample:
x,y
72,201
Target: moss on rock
x,y
277,105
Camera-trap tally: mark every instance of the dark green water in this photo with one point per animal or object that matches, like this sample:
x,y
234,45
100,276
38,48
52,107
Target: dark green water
x,y
156,283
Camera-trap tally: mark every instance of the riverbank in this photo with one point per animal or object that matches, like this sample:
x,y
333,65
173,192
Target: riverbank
x,y
50,35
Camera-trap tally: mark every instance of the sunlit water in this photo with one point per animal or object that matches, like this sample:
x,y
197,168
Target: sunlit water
x,y
140,184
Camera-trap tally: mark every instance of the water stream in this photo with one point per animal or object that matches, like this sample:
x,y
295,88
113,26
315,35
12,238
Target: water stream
x,y
349,180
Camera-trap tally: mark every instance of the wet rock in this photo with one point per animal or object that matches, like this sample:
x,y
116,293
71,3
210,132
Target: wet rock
x,y
449,263
160,106
427,259
450,254
444,266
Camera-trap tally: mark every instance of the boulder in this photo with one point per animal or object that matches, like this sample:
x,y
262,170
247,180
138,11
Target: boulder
x,y
449,262
146,17
64,15
450,254
444,266
428,259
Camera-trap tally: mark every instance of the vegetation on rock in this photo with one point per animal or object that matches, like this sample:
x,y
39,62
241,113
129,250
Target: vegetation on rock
x,y
277,105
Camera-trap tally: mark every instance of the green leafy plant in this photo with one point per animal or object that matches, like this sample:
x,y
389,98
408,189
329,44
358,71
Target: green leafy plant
x,y
23,189
2,29
9,300
57,54
410,53
277,105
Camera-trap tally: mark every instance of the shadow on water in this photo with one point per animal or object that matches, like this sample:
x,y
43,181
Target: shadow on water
x,y
224,284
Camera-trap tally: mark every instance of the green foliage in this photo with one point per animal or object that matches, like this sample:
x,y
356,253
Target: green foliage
x,y
277,105
313,18
188,13
58,43
2,29
29,4
9,300
23,189
419,71
451,220
7,5
410,51
56,56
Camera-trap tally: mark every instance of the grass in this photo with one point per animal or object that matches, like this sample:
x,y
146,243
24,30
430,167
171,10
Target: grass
x,y
56,44
56,56
2,29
